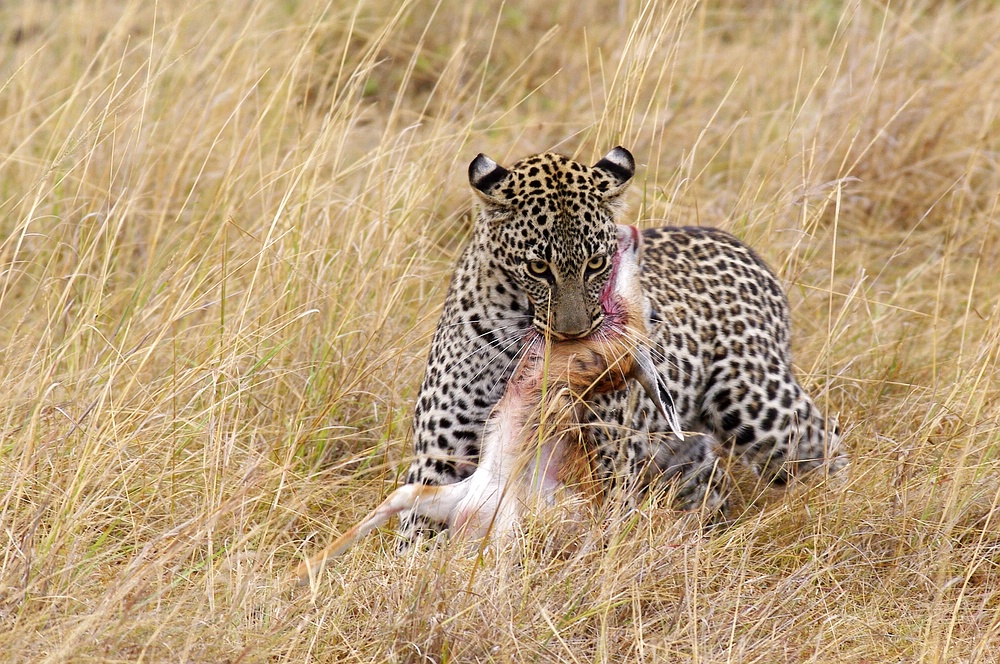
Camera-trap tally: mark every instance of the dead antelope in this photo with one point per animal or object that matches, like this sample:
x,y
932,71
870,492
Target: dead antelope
x,y
530,451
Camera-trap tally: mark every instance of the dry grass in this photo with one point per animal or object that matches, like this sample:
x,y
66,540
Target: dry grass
x,y
227,229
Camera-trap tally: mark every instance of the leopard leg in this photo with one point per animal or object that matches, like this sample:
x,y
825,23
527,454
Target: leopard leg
x,y
775,428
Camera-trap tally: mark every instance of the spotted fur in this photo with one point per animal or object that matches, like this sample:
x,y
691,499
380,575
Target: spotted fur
x,y
538,259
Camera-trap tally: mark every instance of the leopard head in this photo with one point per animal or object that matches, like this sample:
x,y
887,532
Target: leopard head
x,y
549,223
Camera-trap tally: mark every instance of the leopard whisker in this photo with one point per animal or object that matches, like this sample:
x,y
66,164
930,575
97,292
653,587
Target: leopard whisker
x,y
502,351
516,357
500,341
512,319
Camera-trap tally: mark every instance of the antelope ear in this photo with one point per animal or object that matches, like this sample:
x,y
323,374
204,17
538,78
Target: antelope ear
x,y
615,169
485,174
629,239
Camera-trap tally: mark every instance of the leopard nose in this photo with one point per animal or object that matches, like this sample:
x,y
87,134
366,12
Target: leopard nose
x,y
571,325
561,333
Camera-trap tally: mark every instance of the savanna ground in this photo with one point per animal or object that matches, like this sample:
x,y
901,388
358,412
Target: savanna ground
x,y
227,229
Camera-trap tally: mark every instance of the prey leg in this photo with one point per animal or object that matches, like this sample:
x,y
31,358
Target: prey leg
x,y
437,503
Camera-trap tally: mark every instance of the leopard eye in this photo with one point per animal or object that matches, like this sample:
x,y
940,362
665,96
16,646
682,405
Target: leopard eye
x,y
597,263
538,268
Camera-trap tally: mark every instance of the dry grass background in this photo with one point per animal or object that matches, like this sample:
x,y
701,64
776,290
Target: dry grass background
x,y
227,229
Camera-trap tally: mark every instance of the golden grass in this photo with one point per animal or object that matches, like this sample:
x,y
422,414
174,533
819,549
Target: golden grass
x,y
227,231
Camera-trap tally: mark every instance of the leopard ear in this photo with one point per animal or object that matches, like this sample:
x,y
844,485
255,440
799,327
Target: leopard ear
x,y
485,174
615,170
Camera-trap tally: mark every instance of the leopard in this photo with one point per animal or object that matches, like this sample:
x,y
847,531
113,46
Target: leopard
x,y
719,334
